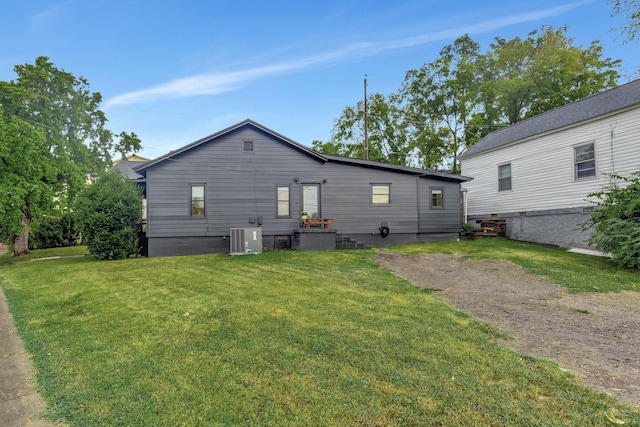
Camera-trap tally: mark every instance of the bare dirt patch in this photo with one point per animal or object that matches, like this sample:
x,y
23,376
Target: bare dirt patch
x,y
597,336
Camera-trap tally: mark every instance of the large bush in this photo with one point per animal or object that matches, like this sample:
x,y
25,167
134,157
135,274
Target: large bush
x,y
53,231
615,224
108,213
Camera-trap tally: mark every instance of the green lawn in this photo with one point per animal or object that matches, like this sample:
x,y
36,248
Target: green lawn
x,y
281,338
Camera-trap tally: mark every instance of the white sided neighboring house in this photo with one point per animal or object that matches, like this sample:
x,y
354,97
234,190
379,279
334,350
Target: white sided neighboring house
x,y
537,174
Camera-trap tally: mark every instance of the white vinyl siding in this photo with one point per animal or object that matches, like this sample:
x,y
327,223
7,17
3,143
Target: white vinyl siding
x,y
546,167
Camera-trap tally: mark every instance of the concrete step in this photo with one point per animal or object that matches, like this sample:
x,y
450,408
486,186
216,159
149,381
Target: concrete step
x,y
346,242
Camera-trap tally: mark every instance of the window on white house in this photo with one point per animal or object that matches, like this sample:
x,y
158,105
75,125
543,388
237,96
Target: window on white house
x,y
585,160
283,202
380,194
504,177
197,200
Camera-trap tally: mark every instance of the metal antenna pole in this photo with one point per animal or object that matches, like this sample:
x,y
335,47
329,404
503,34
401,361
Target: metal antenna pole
x,y
366,127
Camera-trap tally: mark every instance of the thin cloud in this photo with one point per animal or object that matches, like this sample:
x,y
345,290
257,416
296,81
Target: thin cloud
x,y
49,15
215,83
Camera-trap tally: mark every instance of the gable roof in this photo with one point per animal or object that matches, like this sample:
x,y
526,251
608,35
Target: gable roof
x,y
619,98
224,132
132,158
126,167
324,158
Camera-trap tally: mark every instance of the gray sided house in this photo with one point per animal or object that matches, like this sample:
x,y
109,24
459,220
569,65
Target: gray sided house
x,y
537,174
126,166
250,176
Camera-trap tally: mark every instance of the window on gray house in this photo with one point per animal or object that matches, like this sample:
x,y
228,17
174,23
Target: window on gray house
x,y
380,194
437,201
585,160
247,146
504,177
197,200
283,202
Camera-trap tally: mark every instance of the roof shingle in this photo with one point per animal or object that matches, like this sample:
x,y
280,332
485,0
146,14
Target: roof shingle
x,y
601,104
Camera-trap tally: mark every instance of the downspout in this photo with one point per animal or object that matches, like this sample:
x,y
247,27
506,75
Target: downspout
x,y
463,192
418,202
613,125
146,196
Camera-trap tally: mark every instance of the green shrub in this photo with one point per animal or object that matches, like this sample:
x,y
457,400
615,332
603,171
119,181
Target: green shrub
x,y
108,212
615,224
54,232
470,228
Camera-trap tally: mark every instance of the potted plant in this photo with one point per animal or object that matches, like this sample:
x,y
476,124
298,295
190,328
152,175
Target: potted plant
x,y
304,215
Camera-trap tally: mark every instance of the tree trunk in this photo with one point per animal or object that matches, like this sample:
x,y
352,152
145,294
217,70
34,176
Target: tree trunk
x,y
21,241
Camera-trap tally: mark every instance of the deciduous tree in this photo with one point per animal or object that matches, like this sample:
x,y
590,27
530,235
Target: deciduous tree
x,y
24,167
440,99
630,10
445,106
522,78
387,139
54,119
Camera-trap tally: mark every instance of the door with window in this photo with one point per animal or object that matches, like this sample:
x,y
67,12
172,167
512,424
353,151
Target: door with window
x,y
311,199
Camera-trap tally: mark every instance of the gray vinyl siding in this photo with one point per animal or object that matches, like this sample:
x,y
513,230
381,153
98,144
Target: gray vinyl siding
x,y
347,197
440,220
241,187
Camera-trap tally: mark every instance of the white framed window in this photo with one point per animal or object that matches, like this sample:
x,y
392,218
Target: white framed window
x,y
584,158
504,177
380,194
283,202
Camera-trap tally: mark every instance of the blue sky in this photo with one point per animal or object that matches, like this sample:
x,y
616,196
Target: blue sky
x,y
175,71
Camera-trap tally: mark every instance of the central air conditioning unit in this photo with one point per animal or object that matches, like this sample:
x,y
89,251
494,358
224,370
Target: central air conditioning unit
x,y
246,241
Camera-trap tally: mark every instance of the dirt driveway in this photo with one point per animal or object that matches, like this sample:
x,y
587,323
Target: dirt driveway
x,y
597,336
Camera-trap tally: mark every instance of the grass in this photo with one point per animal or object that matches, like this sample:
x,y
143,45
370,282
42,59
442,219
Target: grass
x,y
281,338
8,259
577,272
